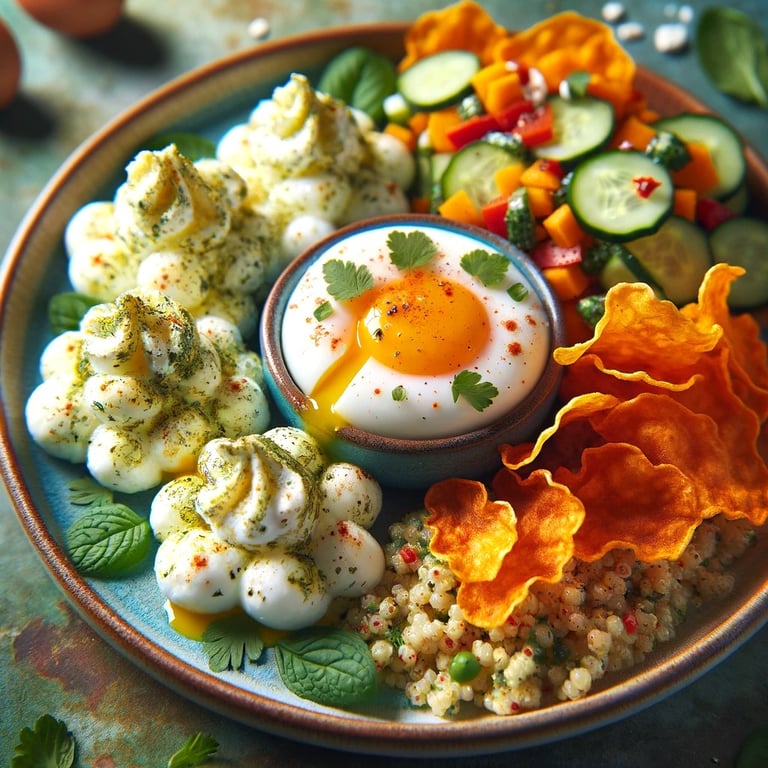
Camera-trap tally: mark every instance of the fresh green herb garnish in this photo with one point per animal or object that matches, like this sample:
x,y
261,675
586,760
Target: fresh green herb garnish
x,y
195,751
399,394
754,750
517,292
110,537
407,251
323,311
191,145
346,280
361,78
327,665
578,82
66,310
48,745
733,52
489,268
479,394
229,641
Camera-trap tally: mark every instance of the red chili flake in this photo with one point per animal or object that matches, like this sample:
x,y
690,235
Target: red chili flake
x,y
377,391
512,621
515,348
511,325
200,561
530,320
408,554
630,622
528,651
645,185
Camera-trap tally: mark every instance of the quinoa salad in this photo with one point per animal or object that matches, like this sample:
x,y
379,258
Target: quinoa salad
x,y
602,617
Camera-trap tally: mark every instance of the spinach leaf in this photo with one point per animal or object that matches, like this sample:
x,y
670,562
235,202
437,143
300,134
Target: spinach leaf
x,y
361,78
327,665
733,52
66,310
108,540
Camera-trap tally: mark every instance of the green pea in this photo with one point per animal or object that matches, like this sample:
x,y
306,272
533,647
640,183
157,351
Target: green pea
x,y
464,667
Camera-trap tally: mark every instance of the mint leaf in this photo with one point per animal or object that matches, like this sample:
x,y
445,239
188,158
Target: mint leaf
x,y
410,250
108,540
66,310
361,78
228,641
479,394
196,751
327,665
48,745
86,492
489,268
346,280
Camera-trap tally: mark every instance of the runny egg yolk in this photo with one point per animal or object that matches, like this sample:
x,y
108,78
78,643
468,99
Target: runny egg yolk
x,y
420,324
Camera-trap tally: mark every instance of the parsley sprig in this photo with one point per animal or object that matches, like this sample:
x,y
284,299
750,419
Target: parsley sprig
x,y
407,251
229,641
346,280
488,267
469,385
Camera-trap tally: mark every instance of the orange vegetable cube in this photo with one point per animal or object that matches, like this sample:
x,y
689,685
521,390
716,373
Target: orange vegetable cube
x,y
540,200
563,227
684,203
507,179
403,133
485,76
541,174
503,92
568,282
459,207
633,132
700,173
438,124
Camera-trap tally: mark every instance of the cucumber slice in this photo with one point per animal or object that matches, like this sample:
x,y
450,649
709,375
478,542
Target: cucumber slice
x,y
623,267
721,140
677,257
620,195
438,80
743,242
472,169
580,126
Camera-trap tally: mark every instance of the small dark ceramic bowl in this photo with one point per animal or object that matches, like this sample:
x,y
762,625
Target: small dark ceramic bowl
x,y
414,463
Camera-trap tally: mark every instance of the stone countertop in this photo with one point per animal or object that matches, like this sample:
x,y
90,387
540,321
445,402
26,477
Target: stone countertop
x,y
50,660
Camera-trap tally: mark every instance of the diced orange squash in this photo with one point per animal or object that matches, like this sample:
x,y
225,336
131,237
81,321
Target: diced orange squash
x,y
540,174
503,92
438,124
684,203
563,228
418,122
633,132
507,179
648,115
540,201
459,206
568,282
403,133
485,76
700,173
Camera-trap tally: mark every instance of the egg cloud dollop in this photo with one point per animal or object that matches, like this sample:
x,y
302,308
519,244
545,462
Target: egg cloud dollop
x,y
269,525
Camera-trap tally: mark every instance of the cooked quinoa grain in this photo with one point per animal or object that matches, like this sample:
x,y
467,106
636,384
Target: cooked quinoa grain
x,y
602,617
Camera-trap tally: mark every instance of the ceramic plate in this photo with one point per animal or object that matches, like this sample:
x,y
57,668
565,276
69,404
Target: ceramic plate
x,y
129,613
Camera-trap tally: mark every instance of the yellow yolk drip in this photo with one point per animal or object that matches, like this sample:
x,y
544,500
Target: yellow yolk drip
x,y
421,324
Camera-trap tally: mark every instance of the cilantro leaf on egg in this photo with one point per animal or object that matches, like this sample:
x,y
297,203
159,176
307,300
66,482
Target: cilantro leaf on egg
x,y
489,268
410,250
469,385
346,280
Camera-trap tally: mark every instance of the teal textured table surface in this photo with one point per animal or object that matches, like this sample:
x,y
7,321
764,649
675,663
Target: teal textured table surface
x,y
50,660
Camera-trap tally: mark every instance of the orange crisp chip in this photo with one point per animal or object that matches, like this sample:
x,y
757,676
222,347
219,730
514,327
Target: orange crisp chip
x,y
548,516
471,532
464,25
569,42
631,503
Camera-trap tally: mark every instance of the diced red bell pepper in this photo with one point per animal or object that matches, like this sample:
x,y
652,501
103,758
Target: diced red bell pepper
x,y
509,118
494,216
535,128
471,129
546,255
710,212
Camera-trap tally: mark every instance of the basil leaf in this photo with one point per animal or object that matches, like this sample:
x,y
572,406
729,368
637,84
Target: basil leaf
x,y
192,146
327,665
361,78
733,52
108,540
66,310
48,745
228,641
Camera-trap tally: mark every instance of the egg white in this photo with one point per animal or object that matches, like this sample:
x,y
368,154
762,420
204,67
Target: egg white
x,y
429,411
